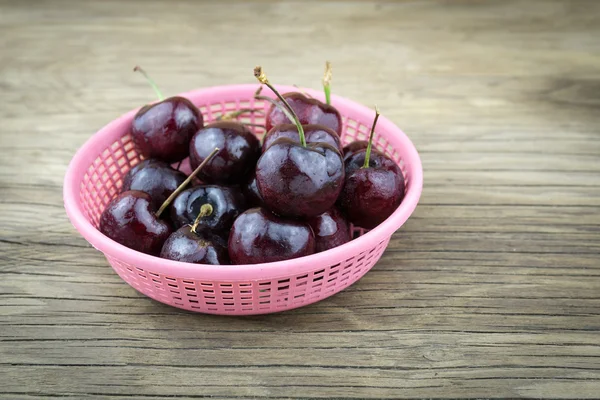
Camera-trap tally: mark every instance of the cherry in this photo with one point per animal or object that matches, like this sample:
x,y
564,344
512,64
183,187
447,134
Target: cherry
x,y
130,220
251,193
240,150
259,236
296,179
163,130
309,111
353,147
188,245
155,177
313,133
299,181
373,191
213,207
331,230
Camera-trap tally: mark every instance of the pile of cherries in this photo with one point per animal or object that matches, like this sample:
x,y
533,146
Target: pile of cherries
x,y
293,196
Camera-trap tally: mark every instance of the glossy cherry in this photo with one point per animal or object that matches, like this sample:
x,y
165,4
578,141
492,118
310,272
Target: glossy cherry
x,y
163,130
296,179
331,230
309,111
374,187
251,193
239,151
313,133
197,247
130,220
155,177
259,236
221,205
353,147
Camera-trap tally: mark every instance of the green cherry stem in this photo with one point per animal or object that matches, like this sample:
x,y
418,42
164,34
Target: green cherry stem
x,y
186,182
368,153
150,81
262,78
205,211
327,82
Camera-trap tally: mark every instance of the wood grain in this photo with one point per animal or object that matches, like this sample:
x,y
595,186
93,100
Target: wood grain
x,y
491,289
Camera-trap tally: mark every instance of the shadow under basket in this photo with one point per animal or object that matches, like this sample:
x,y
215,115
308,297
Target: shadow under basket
x,y
94,178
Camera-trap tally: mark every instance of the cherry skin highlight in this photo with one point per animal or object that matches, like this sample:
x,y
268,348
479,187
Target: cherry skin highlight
x,y
259,236
226,203
298,181
353,147
370,195
251,193
314,134
155,177
164,130
239,151
197,247
309,111
331,230
130,220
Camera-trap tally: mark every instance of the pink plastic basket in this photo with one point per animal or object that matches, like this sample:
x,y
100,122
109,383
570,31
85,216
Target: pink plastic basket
x,y
95,174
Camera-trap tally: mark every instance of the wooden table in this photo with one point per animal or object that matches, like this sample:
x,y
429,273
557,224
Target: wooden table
x,y
491,289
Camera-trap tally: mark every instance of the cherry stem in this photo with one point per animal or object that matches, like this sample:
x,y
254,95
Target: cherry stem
x,y
368,153
186,182
327,82
262,78
253,125
276,104
235,114
205,211
150,81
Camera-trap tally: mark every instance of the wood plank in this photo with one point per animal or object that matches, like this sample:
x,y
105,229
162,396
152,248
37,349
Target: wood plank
x,y
490,290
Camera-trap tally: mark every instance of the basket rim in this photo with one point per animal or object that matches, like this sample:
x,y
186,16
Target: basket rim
x,y
244,272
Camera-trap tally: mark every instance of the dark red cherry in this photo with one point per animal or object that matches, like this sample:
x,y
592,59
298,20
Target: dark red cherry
x,y
163,130
353,147
220,206
239,151
259,236
157,178
309,111
331,230
314,134
130,220
374,186
372,194
198,247
298,181
251,193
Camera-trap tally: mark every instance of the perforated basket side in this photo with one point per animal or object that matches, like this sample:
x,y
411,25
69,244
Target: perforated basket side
x,y
95,176
249,296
